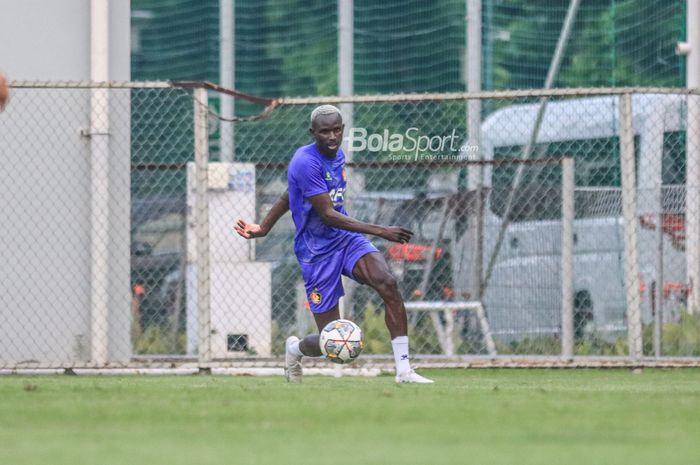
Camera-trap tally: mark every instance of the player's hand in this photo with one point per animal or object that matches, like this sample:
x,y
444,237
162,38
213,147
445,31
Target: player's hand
x,y
397,234
248,230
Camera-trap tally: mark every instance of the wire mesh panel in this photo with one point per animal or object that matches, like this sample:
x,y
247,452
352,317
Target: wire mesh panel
x,y
95,204
119,245
410,166
667,212
161,146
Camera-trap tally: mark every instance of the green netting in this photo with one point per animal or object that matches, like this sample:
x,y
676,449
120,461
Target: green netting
x,y
410,46
614,42
290,47
174,39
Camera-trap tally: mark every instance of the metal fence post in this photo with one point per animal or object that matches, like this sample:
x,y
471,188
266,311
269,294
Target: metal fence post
x,y
629,214
658,289
201,228
567,258
99,189
99,220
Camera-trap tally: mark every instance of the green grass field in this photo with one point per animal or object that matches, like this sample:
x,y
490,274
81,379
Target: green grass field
x,y
474,416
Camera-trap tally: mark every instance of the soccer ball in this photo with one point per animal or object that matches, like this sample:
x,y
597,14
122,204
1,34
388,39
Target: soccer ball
x,y
341,341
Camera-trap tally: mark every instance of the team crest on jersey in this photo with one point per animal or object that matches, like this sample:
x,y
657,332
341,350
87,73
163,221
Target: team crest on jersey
x,y
345,175
315,297
328,176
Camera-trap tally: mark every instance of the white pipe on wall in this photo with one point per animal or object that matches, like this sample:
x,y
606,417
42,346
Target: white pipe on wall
x,y
99,182
227,75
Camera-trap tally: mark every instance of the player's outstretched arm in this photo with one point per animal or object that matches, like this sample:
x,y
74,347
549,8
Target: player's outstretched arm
x,y
252,230
324,207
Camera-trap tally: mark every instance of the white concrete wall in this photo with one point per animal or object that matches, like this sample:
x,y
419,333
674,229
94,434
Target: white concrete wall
x,y
45,184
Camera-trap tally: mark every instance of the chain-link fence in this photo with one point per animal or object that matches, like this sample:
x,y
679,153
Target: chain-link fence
x,y
557,233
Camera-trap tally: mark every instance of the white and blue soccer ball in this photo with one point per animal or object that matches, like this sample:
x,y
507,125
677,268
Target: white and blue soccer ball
x,y
341,341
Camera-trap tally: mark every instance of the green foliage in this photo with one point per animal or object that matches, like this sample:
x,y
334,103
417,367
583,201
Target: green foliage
x,y
596,345
681,338
156,339
377,340
423,337
551,345
374,331
543,345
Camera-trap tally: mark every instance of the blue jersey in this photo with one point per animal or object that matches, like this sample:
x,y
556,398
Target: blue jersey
x,y
311,173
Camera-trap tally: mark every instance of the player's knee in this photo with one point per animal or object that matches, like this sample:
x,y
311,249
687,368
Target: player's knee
x,y
386,283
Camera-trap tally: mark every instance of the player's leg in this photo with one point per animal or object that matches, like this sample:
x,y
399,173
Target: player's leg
x,y
373,270
292,360
309,346
323,290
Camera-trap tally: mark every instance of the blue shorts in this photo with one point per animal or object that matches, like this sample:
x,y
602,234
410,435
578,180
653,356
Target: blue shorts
x,y
322,279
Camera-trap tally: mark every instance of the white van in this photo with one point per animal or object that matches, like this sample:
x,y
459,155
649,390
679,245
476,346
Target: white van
x,y
523,297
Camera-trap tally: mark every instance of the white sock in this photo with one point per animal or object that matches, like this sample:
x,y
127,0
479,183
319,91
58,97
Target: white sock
x,y
400,346
294,348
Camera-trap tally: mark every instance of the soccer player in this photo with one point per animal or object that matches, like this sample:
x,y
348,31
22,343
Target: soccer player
x,y
329,243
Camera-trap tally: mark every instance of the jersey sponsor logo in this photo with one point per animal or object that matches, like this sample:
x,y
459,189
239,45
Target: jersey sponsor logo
x,y
315,297
328,176
337,196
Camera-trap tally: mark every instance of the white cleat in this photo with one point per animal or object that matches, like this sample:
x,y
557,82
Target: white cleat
x,y
412,377
292,363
